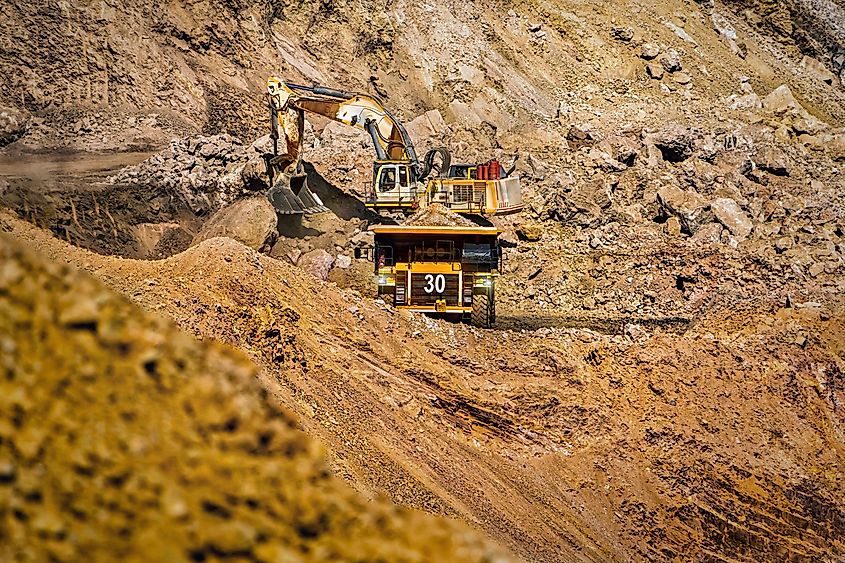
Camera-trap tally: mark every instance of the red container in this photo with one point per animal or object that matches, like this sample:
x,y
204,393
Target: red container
x,y
493,170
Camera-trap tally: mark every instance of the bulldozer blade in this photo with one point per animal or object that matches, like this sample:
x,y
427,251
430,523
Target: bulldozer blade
x,y
290,195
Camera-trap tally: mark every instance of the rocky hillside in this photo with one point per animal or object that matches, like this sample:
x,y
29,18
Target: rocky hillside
x,y
132,74
665,379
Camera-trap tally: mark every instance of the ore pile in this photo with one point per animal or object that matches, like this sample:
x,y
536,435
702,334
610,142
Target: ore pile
x,y
437,215
121,437
206,173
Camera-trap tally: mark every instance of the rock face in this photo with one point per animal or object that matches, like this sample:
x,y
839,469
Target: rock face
x,y
691,209
204,172
173,451
317,262
729,214
426,126
251,221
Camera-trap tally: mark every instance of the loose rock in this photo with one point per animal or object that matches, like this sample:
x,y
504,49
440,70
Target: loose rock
x,y
317,262
671,61
251,221
729,214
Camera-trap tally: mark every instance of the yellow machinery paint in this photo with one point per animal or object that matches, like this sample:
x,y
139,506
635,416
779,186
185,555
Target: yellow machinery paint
x,y
439,269
401,180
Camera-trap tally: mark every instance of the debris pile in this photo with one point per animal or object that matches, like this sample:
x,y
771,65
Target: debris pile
x,y
140,441
206,173
437,215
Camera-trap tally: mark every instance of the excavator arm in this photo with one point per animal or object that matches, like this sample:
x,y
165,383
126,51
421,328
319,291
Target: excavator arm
x,y
390,139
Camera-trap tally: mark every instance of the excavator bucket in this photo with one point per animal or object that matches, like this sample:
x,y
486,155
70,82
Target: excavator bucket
x,y
290,195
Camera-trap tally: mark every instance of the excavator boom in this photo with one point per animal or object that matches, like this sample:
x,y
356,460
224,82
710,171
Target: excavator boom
x,y
390,139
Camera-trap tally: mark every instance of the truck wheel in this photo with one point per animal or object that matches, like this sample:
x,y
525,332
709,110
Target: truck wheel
x,y
481,311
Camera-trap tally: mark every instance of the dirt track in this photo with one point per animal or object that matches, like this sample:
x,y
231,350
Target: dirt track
x,y
725,440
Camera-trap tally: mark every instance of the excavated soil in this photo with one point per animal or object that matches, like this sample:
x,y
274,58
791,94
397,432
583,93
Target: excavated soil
x,y
72,198
665,381
123,438
724,443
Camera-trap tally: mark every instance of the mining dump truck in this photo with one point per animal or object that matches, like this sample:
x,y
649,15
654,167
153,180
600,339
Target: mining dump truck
x,y
433,269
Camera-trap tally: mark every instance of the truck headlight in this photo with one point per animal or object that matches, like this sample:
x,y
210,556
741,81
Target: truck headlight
x,y
384,279
483,282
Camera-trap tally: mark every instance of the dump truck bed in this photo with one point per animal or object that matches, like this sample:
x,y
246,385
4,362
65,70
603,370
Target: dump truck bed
x,y
434,230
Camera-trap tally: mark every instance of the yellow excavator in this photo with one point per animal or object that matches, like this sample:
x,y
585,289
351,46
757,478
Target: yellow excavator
x,y
401,181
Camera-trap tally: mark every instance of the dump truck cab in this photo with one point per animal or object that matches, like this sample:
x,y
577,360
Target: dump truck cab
x,y
431,269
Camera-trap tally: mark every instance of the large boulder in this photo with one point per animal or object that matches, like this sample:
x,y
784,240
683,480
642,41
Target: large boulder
x,y
816,68
13,125
691,208
531,232
780,101
773,160
584,205
622,148
675,142
317,262
251,221
426,126
729,214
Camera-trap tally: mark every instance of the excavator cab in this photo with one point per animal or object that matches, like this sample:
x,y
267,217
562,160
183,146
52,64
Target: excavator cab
x,y
394,185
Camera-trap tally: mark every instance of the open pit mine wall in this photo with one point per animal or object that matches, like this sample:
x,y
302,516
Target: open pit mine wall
x,y
206,63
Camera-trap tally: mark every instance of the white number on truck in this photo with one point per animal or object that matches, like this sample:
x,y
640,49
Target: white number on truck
x,y
436,284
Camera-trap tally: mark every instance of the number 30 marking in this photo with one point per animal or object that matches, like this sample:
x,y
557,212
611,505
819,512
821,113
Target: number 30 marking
x,y
436,284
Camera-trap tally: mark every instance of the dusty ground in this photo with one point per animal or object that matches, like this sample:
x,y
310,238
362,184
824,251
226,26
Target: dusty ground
x,y
725,442
665,382
122,437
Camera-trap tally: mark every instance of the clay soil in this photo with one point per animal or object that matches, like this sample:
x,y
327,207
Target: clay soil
x,y
724,442
662,384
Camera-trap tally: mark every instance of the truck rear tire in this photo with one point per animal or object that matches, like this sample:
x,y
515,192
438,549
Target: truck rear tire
x,y
482,310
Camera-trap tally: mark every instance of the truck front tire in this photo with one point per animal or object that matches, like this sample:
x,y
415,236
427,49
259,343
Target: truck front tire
x,y
483,310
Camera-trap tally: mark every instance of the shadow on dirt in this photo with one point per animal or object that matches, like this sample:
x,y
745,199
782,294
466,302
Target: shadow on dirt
x,y
341,204
611,326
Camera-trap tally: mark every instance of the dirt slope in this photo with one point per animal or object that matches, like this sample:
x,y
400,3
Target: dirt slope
x,y
666,380
563,444
114,77
122,437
